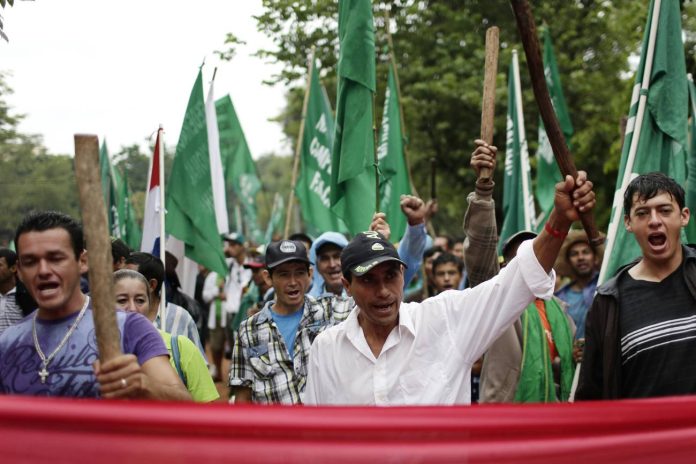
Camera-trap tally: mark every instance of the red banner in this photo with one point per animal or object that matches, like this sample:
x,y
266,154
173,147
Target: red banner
x,y
102,432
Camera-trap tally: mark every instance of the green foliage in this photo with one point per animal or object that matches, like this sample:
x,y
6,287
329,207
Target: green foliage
x,y
439,50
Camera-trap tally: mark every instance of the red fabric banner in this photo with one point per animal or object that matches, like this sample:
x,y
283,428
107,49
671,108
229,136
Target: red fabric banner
x,y
103,432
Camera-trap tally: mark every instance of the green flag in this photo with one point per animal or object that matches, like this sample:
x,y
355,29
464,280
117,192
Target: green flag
x,y
353,190
110,190
691,163
314,178
239,167
518,202
548,173
189,202
394,180
657,121
275,218
130,230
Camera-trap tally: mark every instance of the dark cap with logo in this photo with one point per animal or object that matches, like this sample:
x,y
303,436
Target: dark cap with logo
x,y
283,251
365,251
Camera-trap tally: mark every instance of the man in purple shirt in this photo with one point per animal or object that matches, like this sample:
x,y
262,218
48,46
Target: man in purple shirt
x,y
53,351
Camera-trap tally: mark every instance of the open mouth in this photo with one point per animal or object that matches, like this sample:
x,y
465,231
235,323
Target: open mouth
x,y
293,293
657,239
47,288
383,308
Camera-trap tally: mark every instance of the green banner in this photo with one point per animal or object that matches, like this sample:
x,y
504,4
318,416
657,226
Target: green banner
x,y
548,173
657,125
394,180
274,222
353,189
314,177
239,167
189,202
110,190
691,164
518,202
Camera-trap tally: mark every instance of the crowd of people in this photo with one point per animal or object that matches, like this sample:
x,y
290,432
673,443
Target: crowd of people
x,y
436,320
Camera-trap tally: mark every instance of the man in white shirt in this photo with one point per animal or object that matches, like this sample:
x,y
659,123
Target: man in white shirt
x,y
393,353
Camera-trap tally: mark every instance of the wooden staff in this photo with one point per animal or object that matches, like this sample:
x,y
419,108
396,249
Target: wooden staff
x,y
530,41
488,104
98,246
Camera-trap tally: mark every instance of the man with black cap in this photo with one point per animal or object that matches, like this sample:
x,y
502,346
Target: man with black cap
x,y
393,353
271,348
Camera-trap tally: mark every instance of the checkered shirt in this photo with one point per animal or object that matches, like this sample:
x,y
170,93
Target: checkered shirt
x,y
260,359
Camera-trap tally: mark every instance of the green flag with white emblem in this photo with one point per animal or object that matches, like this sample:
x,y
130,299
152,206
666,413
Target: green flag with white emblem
x,y
657,123
548,173
394,180
691,163
518,201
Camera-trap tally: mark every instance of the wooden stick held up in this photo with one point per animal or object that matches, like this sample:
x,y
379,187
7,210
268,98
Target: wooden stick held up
x,y
488,101
98,245
530,41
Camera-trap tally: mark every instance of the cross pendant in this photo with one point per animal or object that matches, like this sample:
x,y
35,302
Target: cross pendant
x,y
43,373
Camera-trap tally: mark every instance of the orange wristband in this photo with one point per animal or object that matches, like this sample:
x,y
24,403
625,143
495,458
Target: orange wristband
x,y
554,232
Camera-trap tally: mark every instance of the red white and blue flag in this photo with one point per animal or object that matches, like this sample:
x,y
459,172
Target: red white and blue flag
x,y
153,218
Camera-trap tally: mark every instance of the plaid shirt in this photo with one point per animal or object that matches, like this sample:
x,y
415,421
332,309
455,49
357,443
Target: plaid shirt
x,y
10,312
260,359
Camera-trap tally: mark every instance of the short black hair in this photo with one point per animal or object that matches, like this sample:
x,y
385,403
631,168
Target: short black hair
x,y
9,255
119,249
40,221
150,266
302,237
431,251
445,258
650,185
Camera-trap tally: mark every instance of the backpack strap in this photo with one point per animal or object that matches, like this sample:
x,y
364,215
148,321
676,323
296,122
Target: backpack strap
x,y
177,358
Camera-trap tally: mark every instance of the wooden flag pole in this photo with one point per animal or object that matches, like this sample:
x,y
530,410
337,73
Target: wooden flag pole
x,y
98,246
298,147
530,41
488,104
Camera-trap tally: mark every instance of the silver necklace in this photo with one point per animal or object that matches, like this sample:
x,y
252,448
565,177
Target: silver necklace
x,y
43,373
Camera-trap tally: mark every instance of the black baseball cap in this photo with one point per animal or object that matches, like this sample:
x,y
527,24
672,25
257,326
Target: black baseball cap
x,y
518,237
255,262
365,251
283,251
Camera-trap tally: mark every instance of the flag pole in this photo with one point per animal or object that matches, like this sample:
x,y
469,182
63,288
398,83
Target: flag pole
x,y
642,97
298,145
392,58
524,160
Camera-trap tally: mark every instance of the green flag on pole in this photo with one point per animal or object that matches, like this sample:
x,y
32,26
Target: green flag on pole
x,y
189,203
110,190
130,230
518,201
548,173
657,123
274,221
394,180
353,189
314,179
239,167
691,163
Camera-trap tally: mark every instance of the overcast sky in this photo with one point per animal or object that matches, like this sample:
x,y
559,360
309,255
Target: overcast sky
x,y
118,69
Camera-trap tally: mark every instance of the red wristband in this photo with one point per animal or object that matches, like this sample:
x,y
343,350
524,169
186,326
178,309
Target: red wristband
x,y
553,232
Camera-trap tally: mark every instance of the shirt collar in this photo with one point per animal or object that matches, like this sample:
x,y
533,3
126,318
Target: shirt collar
x,y
353,326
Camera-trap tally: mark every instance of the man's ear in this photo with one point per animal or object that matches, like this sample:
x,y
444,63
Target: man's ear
x,y
84,264
346,285
685,216
627,223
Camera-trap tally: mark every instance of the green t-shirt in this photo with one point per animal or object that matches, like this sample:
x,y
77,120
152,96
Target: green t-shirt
x,y
198,380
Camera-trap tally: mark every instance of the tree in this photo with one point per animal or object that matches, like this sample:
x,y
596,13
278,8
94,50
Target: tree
x,y
439,50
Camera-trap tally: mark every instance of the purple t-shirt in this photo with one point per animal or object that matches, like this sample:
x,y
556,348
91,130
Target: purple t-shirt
x,y
70,371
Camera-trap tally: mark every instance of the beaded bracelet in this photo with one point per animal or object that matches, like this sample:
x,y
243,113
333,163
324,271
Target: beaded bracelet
x,y
554,232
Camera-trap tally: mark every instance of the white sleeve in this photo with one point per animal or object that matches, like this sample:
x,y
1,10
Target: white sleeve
x,y
210,288
311,393
476,317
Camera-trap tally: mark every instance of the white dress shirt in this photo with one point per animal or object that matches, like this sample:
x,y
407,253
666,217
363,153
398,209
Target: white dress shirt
x,y
427,357
235,282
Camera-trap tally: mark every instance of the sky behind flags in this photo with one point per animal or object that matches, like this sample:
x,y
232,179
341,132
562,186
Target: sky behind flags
x,y
656,130
353,182
518,201
314,179
394,180
189,201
